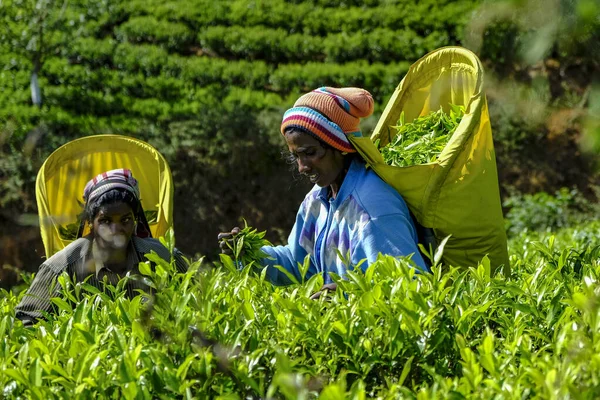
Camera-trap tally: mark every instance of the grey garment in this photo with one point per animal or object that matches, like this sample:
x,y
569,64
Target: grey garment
x,y
77,261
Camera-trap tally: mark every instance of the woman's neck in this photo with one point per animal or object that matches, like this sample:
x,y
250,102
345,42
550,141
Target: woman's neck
x,y
335,186
334,189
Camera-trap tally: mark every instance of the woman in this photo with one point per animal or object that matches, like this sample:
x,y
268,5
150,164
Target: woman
x,y
117,243
350,211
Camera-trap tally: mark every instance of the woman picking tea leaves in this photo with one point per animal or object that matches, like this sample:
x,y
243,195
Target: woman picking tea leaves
x,y
350,211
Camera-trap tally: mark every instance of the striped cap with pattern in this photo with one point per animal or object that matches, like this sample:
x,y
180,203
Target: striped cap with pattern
x,y
330,114
117,178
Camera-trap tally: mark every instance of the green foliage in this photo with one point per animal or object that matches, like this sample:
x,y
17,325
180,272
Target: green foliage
x,y
545,212
276,45
385,333
173,36
246,248
501,44
69,231
148,59
422,140
322,19
257,42
205,71
38,27
591,139
18,175
92,51
381,78
510,32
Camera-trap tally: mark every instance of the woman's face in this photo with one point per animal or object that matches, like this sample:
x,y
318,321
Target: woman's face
x,y
113,226
322,165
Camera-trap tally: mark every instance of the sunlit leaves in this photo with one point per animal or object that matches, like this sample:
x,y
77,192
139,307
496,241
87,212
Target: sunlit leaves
x,y
386,333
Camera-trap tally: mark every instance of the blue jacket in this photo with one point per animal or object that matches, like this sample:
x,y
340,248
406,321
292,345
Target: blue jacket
x,y
367,217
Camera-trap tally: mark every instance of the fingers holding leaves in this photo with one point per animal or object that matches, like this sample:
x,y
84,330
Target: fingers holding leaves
x,y
227,240
243,245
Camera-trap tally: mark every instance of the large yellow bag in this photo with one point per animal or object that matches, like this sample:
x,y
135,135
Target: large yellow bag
x,y
458,194
62,178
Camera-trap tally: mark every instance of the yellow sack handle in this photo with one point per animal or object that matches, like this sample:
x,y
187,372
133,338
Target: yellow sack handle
x,y
458,194
64,174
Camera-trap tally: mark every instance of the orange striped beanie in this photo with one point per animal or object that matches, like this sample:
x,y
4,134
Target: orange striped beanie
x,y
330,115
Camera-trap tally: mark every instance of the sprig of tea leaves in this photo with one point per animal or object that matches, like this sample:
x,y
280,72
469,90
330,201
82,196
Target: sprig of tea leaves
x,y
247,246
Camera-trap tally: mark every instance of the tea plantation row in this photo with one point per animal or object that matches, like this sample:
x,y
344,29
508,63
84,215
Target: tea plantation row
x,y
307,17
216,332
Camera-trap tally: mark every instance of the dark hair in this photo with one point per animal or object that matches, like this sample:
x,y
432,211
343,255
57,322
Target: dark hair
x,y
111,197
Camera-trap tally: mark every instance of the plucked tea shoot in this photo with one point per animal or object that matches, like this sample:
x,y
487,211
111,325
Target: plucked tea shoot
x,y
247,246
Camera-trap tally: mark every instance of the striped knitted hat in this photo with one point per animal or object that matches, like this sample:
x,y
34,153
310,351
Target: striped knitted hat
x,y
330,115
106,181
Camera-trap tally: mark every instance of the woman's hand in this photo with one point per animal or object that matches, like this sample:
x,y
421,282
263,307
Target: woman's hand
x,y
226,240
325,289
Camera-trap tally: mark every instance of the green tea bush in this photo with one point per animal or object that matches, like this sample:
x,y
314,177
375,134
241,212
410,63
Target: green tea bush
x,y
205,71
385,333
81,100
61,72
301,78
380,45
543,212
321,20
277,45
272,14
92,51
193,13
148,59
165,88
260,43
173,36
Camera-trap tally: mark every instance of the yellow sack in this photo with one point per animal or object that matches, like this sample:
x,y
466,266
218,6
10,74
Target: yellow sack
x,y
458,194
62,178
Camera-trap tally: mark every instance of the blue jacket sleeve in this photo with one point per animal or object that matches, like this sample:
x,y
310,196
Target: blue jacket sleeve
x,y
390,234
288,256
